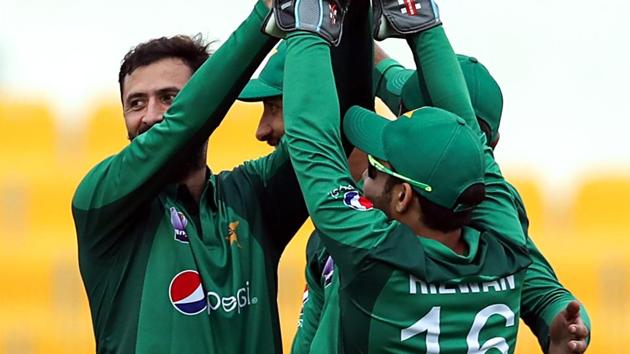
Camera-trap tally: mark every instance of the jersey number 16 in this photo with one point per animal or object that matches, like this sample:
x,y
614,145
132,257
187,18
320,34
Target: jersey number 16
x,y
430,323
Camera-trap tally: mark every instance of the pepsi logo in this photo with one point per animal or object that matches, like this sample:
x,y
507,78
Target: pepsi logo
x,y
186,293
356,201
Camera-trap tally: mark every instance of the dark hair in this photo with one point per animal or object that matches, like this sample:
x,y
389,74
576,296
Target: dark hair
x,y
441,218
191,50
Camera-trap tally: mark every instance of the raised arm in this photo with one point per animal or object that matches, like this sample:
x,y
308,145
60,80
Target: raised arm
x,y
438,66
121,183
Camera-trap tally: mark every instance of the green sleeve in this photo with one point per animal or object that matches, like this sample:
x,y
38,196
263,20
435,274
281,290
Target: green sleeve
x,y
284,210
119,185
438,66
311,113
543,296
314,298
389,79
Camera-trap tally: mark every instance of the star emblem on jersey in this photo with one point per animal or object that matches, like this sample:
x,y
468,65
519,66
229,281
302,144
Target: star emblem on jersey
x,y
333,13
232,235
409,7
356,201
179,222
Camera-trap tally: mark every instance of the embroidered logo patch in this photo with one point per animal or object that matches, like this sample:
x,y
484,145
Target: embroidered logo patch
x,y
179,222
356,201
232,235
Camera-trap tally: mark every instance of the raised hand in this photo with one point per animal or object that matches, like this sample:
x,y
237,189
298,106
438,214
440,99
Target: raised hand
x,y
322,17
568,332
393,18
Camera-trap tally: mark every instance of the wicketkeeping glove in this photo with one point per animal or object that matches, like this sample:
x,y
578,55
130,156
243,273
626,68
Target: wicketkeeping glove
x,y
322,17
399,18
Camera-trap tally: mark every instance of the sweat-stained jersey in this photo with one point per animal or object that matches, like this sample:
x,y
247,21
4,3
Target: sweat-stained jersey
x,y
543,297
400,293
164,274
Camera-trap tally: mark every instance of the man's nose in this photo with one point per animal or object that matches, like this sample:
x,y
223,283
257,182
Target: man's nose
x,y
263,132
155,113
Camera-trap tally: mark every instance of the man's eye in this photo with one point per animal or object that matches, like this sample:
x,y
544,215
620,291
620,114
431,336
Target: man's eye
x,y
168,98
135,105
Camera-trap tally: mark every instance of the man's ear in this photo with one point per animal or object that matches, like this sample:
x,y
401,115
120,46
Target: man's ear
x,y
403,197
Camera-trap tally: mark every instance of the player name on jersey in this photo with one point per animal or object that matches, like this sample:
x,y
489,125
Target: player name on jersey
x,y
419,286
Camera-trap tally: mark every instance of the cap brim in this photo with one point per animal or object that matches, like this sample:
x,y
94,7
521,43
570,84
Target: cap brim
x,y
257,90
364,129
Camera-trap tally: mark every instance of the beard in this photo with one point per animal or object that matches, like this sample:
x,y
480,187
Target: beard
x,y
191,163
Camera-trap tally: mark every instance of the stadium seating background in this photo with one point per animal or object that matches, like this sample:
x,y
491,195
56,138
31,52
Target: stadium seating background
x,y
43,307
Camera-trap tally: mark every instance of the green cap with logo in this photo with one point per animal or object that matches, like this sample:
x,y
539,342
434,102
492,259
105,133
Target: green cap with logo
x,y
430,146
485,93
269,82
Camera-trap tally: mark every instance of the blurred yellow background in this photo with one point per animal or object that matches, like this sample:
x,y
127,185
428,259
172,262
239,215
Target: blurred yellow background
x,y
43,306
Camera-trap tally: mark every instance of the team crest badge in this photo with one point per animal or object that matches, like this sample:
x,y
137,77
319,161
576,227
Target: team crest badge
x,y
356,201
179,222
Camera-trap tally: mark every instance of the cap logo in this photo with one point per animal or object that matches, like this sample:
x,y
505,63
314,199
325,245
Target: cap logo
x,y
356,201
410,113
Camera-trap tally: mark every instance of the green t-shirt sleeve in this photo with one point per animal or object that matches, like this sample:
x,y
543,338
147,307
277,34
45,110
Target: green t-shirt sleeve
x,y
313,302
444,81
348,226
543,295
283,209
388,80
112,191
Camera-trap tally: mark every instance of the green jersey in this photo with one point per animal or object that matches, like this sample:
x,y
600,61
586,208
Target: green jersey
x,y
165,274
399,292
543,295
542,299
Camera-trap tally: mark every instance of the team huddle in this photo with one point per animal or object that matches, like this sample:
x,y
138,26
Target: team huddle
x,y
421,245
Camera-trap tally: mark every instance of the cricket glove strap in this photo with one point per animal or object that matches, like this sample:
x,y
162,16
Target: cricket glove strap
x,y
322,17
399,18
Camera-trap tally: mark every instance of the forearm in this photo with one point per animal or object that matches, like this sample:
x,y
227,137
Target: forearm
x,y
543,297
312,132
440,72
388,78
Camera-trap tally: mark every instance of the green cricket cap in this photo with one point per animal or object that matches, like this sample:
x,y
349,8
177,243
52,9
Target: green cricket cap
x,y
269,82
485,93
429,145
